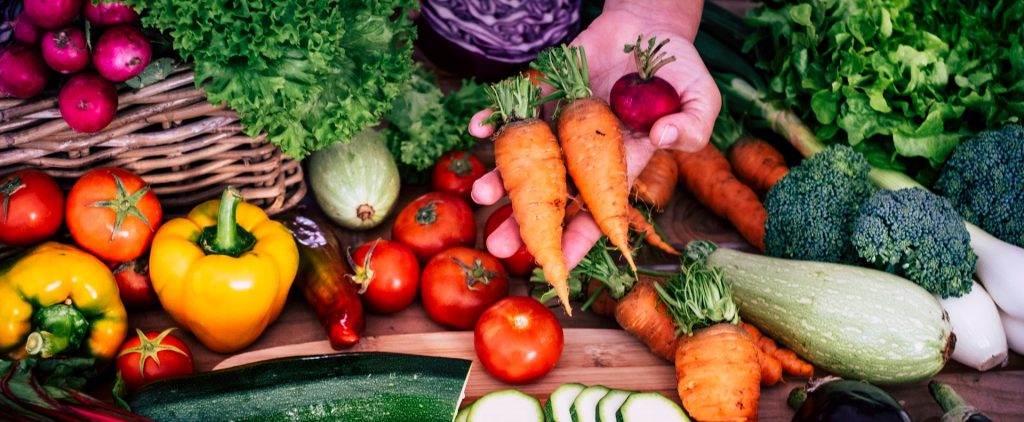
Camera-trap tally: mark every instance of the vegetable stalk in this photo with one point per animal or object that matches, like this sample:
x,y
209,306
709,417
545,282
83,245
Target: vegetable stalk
x,y
59,327
227,237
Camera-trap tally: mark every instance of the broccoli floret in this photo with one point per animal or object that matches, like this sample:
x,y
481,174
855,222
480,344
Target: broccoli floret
x,y
812,209
984,178
918,235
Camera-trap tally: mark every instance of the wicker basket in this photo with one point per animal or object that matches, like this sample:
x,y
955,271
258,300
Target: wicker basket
x,y
187,149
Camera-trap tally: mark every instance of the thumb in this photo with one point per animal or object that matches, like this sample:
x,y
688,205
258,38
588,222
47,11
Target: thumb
x,y
690,129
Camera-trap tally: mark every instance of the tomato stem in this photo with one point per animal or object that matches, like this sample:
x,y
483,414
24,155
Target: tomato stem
x,y
475,274
427,214
227,237
363,273
461,166
124,204
58,328
7,190
150,348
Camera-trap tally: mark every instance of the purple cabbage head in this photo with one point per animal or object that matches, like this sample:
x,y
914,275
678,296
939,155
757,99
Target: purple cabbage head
x,y
9,10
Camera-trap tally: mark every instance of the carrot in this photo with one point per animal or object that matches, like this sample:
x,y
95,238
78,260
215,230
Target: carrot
x,y
639,224
591,139
657,182
790,362
707,174
527,156
603,304
641,314
572,209
757,163
718,374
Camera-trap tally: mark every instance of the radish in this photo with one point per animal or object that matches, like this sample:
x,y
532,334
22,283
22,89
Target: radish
x,y
88,102
640,98
52,14
26,31
108,14
66,50
121,53
23,73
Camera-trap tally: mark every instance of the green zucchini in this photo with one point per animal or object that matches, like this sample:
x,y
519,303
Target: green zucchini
x,y
340,387
463,415
854,322
506,406
609,405
584,407
559,404
644,407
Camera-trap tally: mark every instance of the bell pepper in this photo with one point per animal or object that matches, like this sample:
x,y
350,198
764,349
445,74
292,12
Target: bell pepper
x,y
57,298
223,272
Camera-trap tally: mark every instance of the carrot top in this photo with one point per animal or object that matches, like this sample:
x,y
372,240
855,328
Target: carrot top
x,y
649,60
565,69
514,99
698,297
598,264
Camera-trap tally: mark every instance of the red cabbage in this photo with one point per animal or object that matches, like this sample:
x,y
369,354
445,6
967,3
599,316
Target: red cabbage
x,y
491,39
8,13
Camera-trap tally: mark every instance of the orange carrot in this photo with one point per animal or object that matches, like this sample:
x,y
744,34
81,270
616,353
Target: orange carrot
x,y
719,377
573,208
757,163
641,314
707,174
639,224
657,182
791,363
771,368
604,304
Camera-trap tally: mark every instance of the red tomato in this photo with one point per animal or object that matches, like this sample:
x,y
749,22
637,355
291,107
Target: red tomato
x,y
31,207
133,283
113,214
153,356
518,339
434,222
520,264
455,172
459,284
390,273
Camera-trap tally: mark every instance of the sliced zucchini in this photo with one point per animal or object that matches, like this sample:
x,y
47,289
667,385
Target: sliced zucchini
x,y
463,415
644,407
610,403
584,408
506,405
559,405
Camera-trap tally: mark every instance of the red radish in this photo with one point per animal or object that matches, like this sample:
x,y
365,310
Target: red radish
x,y
108,14
121,53
26,31
88,102
640,98
52,14
66,50
23,73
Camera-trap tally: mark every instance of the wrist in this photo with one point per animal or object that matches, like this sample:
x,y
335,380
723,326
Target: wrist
x,y
679,16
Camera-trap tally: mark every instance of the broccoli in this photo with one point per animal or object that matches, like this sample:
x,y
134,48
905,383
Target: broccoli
x,y
984,179
918,235
811,210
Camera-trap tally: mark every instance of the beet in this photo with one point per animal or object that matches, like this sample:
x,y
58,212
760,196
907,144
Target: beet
x,y
66,50
640,98
88,102
52,14
26,31
23,74
108,14
121,53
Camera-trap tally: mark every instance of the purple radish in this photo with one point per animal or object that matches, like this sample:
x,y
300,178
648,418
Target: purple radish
x,y
640,98
52,14
23,73
26,31
88,102
108,14
66,50
121,53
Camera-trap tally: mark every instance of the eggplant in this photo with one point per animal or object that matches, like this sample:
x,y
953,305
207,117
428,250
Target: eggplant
x,y
955,408
838,400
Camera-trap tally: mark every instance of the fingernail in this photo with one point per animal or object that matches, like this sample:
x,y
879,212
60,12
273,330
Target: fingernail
x,y
668,136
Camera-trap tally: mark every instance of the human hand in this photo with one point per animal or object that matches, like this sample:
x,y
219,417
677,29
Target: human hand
x,y
687,130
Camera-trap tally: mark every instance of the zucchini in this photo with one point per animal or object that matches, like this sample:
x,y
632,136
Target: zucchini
x,y
584,407
643,407
559,405
348,387
463,414
609,405
506,405
854,322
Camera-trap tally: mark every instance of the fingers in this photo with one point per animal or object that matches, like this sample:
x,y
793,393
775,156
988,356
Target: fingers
x,y
638,152
579,236
690,129
477,128
488,189
505,241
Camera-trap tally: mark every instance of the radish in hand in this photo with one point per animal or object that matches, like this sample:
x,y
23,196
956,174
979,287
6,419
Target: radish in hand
x,y
640,98
66,50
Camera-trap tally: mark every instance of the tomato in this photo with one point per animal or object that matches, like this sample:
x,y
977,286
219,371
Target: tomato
x,y
434,222
455,172
520,264
32,207
459,284
389,273
534,76
113,214
151,357
518,339
133,283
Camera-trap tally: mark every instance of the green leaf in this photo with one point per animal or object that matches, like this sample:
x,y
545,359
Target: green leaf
x,y
825,104
801,14
157,71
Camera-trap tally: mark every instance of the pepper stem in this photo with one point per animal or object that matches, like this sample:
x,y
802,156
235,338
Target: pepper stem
x,y
227,237
796,398
59,327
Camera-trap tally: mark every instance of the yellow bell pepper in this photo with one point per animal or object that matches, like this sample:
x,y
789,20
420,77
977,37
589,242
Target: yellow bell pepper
x,y
57,298
224,271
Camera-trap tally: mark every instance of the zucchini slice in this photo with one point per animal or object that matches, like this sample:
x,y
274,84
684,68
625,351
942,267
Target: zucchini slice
x,y
644,407
506,405
584,407
559,405
610,403
463,415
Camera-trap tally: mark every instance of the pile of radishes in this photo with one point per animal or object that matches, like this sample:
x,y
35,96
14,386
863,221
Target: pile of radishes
x,y
50,37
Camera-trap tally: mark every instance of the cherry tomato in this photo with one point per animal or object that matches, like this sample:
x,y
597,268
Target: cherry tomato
x,y
459,284
388,273
133,283
31,207
113,214
434,222
518,339
520,264
455,172
153,356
